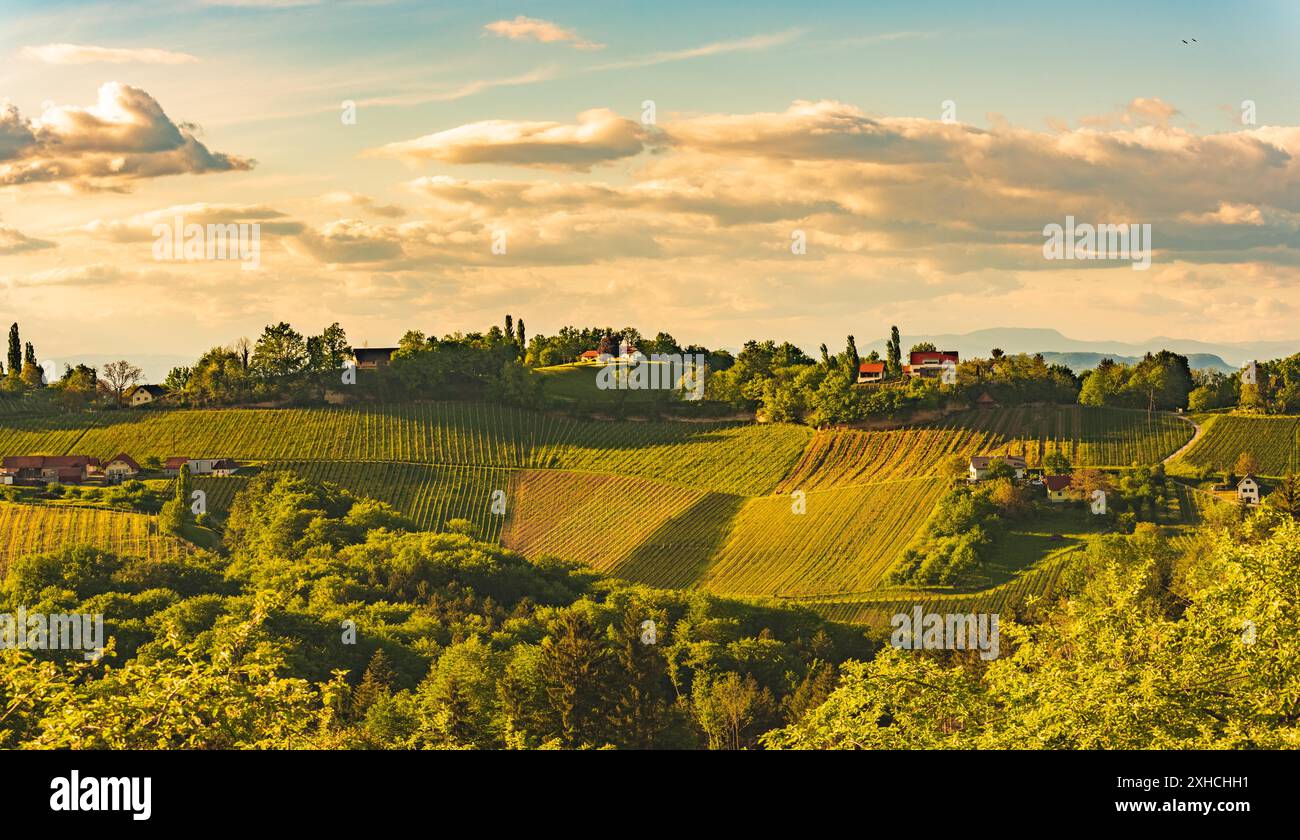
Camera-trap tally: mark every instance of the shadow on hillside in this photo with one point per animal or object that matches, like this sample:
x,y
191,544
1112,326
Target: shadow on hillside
x,y
678,553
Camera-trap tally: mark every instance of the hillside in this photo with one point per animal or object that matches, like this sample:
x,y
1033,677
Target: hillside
x,y
682,505
1274,441
29,529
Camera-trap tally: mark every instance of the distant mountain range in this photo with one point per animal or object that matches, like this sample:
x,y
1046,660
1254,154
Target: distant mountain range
x,y
1083,355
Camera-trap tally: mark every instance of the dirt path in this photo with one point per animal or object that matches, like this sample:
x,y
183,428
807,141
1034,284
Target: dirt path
x,y
1195,437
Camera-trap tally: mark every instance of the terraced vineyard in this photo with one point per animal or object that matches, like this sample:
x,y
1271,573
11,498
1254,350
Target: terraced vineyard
x,y
1089,436
845,542
733,458
30,529
634,528
1040,581
1274,441
667,504
844,457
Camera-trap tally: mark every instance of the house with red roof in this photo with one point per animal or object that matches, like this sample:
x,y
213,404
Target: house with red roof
x,y
46,469
871,372
1058,487
929,363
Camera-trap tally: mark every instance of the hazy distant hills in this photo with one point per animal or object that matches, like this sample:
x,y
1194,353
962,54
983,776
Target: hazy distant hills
x,y
1081,355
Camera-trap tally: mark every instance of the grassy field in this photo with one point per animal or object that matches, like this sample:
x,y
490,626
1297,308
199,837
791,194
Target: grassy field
x,y
31,529
1274,441
577,383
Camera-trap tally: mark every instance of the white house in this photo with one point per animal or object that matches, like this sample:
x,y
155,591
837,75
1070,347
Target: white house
x,y
120,468
145,394
1248,490
201,466
979,465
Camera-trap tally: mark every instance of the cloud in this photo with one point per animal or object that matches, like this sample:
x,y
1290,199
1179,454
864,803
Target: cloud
x,y
462,91
139,228
124,137
363,203
531,29
87,54
753,43
14,242
1141,111
599,136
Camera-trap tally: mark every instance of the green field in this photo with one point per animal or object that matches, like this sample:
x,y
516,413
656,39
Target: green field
x,y
1274,441
672,504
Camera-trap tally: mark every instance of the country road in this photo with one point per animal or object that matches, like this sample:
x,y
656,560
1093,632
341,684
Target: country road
x,y
1186,446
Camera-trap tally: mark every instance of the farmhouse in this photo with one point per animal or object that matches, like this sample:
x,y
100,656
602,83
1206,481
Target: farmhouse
x,y
46,469
979,465
928,363
370,358
120,468
1058,487
986,401
589,356
1248,490
139,395
871,372
201,466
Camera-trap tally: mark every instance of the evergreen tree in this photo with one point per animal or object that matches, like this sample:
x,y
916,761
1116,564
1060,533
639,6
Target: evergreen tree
x,y
15,351
375,683
894,357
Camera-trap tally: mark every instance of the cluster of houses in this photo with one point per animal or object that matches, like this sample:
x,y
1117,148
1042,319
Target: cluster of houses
x,y
921,364
626,353
35,470
1057,486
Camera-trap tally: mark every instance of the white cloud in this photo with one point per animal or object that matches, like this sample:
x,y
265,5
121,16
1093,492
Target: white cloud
x,y
531,29
88,54
753,43
124,136
599,136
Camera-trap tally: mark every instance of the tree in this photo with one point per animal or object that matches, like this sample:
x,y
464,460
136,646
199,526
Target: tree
x,y
521,336
178,379
119,376
1057,462
728,709
327,352
851,356
894,354
573,665
1246,465
15,351
280,351
924,347
1286,498
996,353
377,682
1086,481
242,349
32,376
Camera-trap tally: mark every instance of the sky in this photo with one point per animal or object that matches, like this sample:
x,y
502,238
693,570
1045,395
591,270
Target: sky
x,y
721,171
